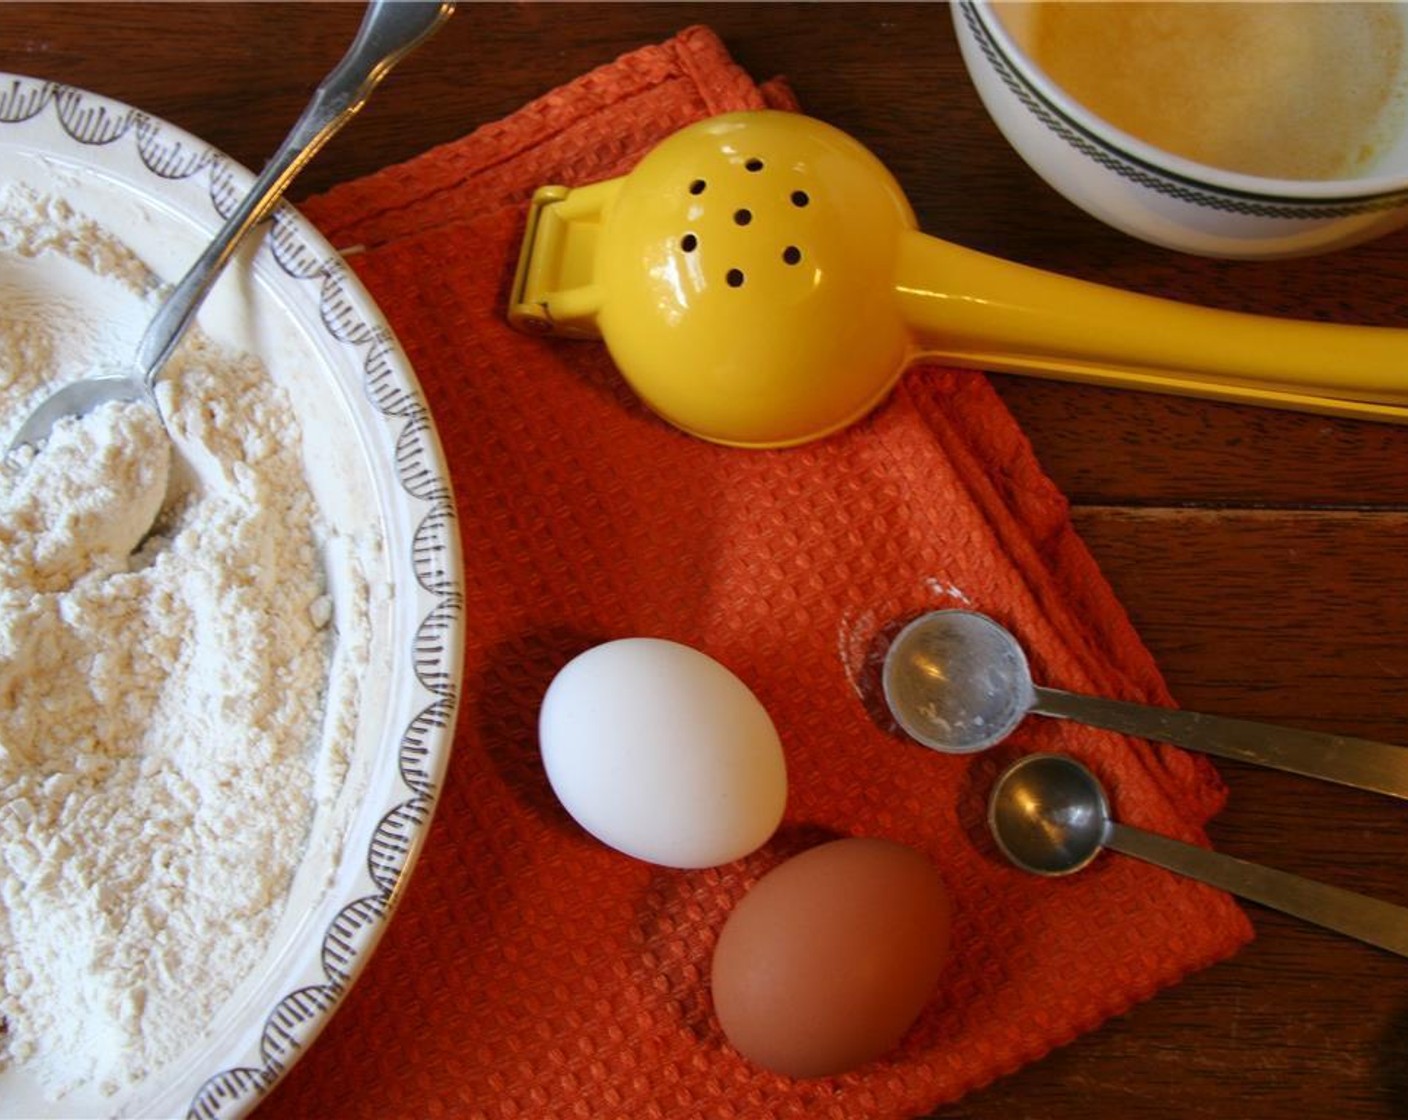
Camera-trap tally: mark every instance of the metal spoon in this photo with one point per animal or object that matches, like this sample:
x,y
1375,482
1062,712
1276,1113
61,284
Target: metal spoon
x,y
390,30
958,682
1050,816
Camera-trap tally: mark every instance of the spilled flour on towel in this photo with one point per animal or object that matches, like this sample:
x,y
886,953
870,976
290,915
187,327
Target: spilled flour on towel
x,y
164,697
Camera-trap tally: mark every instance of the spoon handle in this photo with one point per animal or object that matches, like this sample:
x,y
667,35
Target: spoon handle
x,y
1366,919
1361,763
390,30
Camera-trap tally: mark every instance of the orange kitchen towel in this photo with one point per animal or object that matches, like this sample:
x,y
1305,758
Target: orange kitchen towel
x,y
530,972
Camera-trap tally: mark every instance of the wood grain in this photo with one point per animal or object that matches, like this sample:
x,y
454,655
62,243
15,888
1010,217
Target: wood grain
x,y
1261,554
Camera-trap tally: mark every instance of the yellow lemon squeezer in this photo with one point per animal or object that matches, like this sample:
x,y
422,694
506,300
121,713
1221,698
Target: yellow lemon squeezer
x,y
760,281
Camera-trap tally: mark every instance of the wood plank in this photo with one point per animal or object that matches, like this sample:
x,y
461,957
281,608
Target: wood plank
x,y
1111,447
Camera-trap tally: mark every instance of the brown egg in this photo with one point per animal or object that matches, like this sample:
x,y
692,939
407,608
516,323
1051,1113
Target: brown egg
x,y
828,960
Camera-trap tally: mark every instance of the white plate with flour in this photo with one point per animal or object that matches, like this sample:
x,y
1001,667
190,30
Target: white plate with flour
x,y
199,854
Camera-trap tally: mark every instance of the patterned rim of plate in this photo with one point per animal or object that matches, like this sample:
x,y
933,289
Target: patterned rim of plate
x,y
424,503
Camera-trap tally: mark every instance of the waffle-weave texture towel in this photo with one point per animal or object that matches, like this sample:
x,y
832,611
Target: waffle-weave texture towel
x,y
531,972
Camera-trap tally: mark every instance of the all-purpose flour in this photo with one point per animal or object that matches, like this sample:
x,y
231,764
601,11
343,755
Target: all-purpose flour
x,y
163,697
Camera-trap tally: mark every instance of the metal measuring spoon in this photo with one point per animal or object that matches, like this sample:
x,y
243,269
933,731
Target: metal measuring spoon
x,y
390,30
958,682
1050,816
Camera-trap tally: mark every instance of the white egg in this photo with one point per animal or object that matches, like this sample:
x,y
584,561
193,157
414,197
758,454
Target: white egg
x,y
662,753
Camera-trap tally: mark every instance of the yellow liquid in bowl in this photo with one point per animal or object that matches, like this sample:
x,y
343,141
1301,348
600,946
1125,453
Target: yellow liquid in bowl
x,y
1281,90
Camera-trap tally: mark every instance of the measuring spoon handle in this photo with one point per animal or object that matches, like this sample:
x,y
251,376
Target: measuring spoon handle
x,y
1361,763
1366,919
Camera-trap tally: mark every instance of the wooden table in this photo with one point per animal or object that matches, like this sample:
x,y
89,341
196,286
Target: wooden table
x,y
1262,555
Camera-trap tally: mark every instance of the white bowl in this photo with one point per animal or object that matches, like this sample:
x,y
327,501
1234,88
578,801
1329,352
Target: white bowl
x,y
1154,195
378,474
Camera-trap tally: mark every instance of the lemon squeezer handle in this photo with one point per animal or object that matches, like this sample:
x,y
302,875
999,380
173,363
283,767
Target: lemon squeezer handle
x,y
976,311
